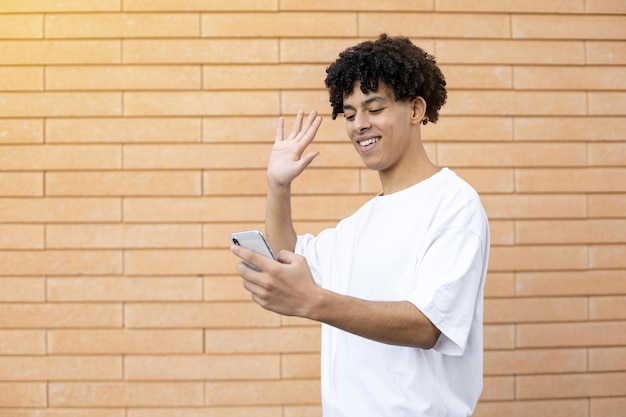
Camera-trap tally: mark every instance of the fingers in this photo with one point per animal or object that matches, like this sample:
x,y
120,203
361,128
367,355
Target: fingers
x,y
251,258
305,129
311,125
297,125
287,257
280,129
253,279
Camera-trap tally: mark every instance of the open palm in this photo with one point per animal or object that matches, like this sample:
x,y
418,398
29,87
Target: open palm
x,y
287,159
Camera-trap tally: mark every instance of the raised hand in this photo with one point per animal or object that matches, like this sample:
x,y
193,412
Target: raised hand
x,y
287,160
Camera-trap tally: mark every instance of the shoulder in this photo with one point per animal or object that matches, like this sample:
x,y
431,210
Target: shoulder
x,y
458,203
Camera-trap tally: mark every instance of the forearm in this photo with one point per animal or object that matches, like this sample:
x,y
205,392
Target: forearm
x,y
396,323
279,228
288,288
287,161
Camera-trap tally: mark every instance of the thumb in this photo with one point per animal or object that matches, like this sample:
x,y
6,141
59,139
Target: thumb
x,y
306,160
286,257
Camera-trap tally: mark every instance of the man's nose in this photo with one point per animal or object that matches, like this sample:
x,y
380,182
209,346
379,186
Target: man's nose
x,y
361,122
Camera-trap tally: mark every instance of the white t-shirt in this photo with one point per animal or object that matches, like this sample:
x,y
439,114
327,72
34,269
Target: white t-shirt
x,y
429,245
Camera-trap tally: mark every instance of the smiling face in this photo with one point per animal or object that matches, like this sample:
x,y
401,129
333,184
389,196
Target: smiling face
x,y
385,132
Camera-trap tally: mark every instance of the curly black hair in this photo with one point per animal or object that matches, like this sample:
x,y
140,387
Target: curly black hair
x,y
398,63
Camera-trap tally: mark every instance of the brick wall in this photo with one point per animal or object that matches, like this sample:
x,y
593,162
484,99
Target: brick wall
x,y
133,139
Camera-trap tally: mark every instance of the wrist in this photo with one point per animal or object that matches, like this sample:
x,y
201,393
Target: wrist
x,y
276,187
319,304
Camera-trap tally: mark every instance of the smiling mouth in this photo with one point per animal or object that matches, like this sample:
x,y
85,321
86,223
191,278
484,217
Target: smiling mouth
x,y
367,142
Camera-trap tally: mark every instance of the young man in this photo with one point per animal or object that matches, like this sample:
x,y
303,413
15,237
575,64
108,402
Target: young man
x,y
398,285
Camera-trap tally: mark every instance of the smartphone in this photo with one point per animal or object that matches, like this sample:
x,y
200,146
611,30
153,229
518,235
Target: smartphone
x,y
255,241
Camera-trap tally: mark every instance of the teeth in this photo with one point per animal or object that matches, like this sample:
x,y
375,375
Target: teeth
x,y
368,141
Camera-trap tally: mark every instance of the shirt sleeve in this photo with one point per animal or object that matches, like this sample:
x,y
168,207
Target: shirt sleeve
x,y
448,285
306,246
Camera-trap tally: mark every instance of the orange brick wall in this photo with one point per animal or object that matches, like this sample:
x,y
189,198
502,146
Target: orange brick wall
x,y
133,139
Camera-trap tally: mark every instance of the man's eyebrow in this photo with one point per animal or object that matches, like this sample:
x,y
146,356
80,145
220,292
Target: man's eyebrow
x,y
364,103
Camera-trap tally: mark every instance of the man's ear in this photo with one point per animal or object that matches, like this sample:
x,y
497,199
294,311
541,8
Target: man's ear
x,y
418,109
